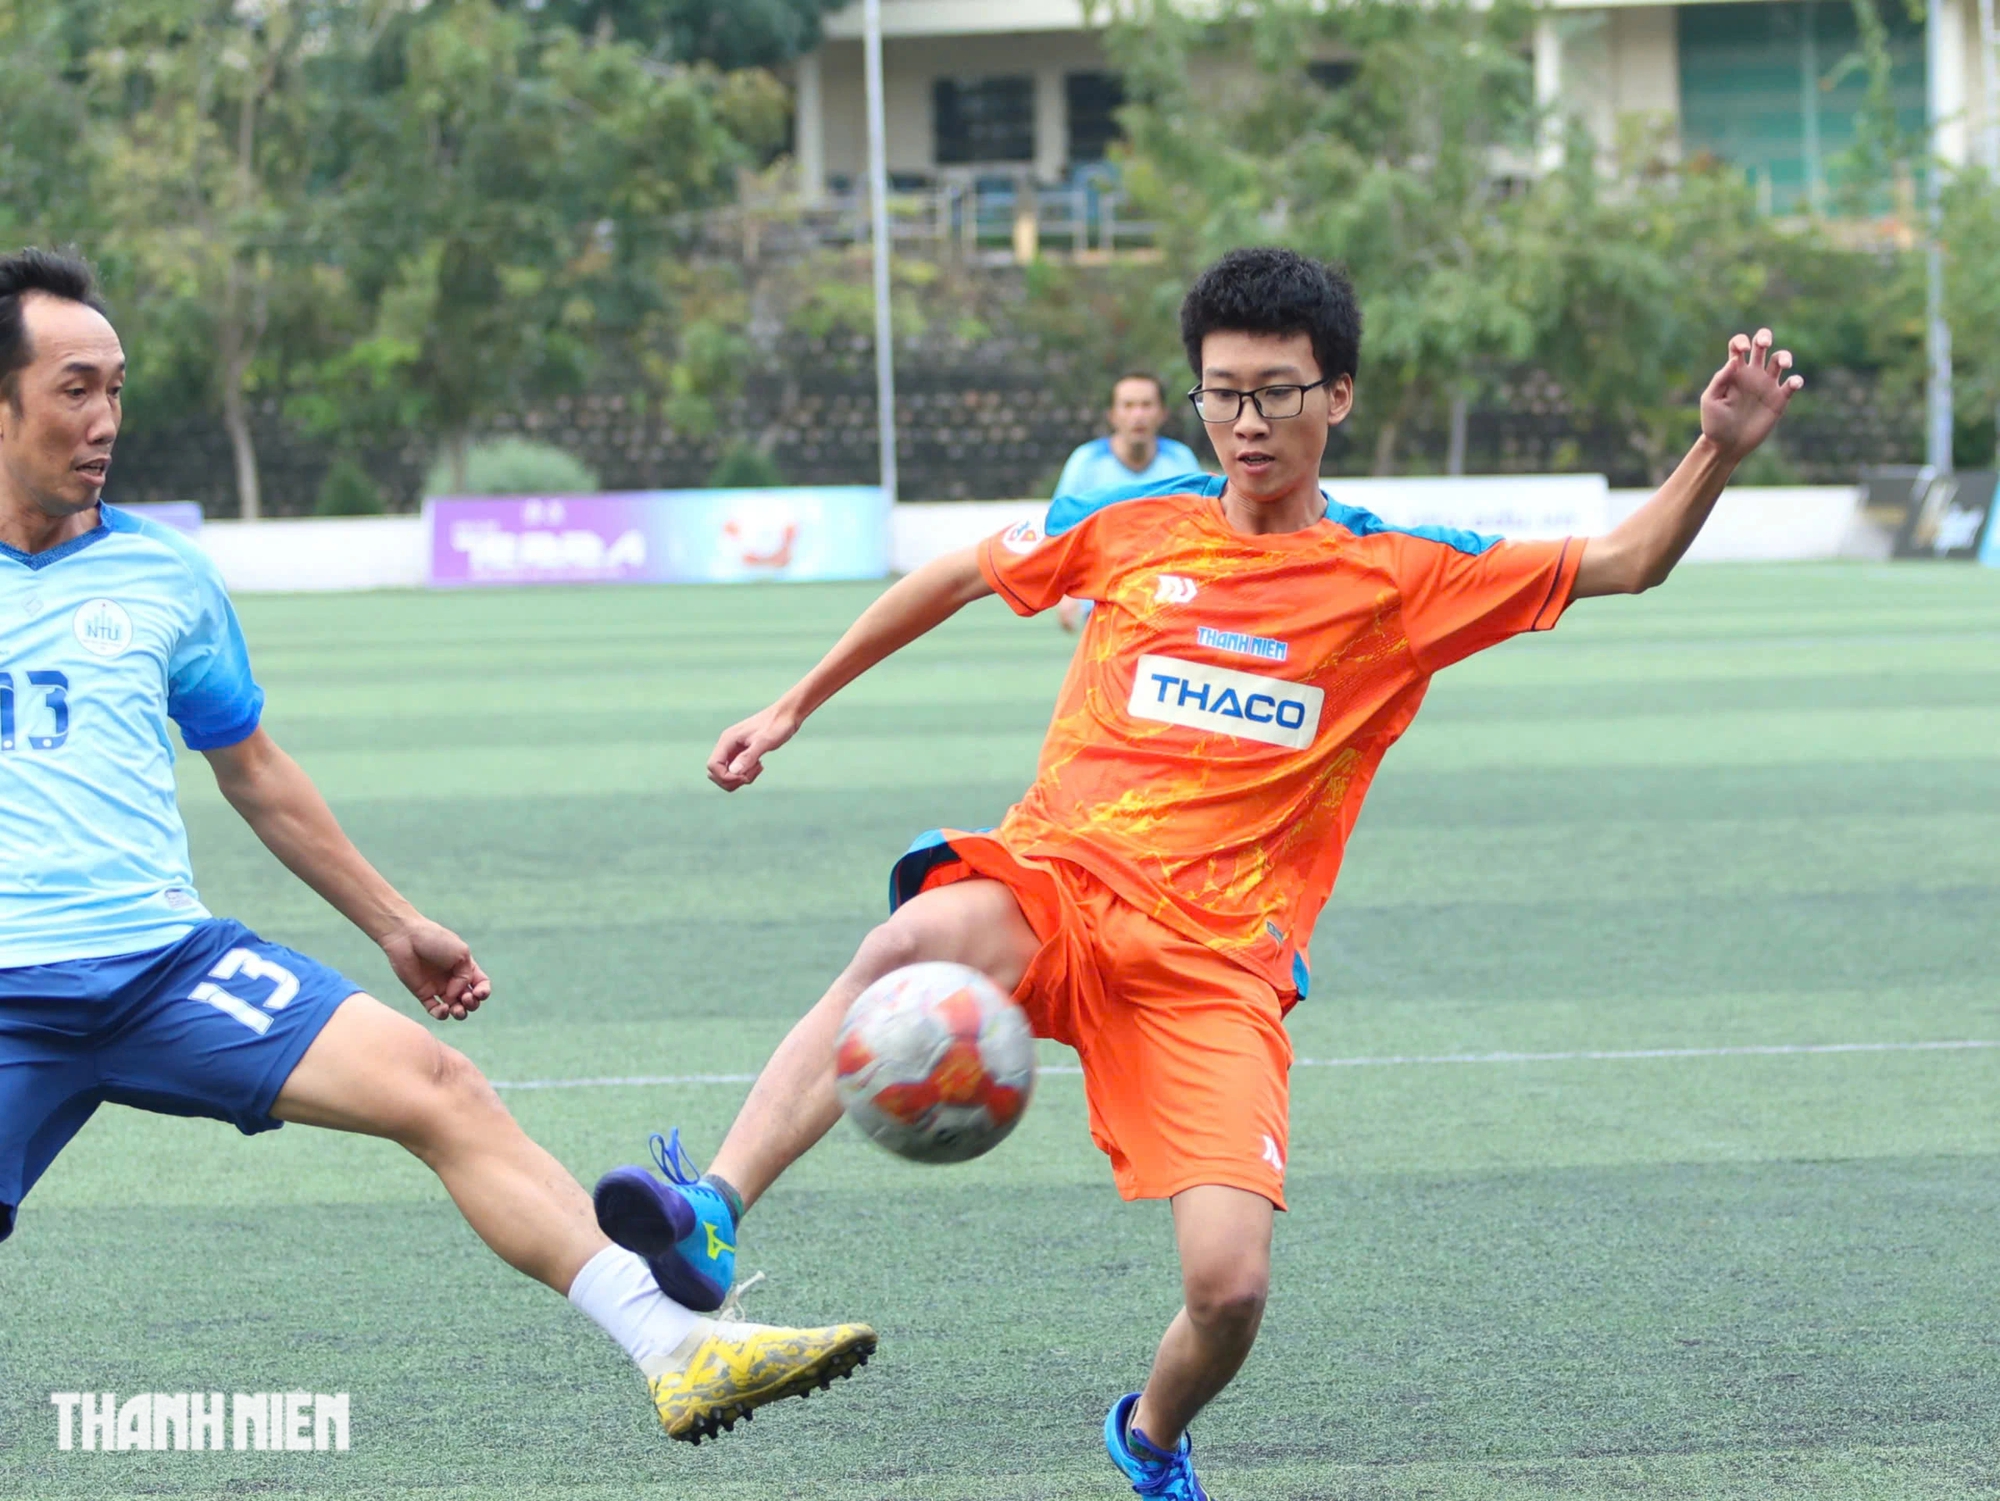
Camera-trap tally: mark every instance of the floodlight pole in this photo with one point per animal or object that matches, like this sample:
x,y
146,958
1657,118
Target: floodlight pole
x,y
878,196
1937,342
1989,67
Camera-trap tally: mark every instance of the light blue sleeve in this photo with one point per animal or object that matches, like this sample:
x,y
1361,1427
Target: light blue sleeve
x,y
1069,510
1075,470
210,692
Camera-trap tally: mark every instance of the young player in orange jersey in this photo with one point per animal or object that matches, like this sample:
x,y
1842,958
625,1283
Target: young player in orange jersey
x,y
1255,649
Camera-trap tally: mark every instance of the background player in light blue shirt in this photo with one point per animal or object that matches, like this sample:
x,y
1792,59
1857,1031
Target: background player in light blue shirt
x,y
1133,453
118,986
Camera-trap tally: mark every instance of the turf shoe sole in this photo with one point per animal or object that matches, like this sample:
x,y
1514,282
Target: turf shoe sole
x,y
685,1234
724,1372
640,1212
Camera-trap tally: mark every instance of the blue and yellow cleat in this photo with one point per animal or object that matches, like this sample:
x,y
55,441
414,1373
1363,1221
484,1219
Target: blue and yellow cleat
x,y
1153,1472
684,1227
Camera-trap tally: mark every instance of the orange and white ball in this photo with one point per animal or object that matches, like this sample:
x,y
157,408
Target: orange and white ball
x,y
935,1063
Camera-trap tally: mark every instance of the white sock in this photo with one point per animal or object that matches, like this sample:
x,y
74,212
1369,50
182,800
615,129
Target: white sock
x,y
618,1292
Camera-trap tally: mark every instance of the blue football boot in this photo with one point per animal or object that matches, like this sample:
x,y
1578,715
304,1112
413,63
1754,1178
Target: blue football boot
x,y
1153,1472
685,1227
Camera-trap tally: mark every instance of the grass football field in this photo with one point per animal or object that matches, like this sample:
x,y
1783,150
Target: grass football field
x,y
1617,1169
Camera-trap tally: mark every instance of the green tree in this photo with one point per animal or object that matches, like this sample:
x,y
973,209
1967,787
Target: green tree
x,y
1972,305
45,150
1365,133
1635,281
518,196
205,125
727,33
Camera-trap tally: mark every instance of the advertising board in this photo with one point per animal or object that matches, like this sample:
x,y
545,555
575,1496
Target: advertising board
x,y
1945,516
660,537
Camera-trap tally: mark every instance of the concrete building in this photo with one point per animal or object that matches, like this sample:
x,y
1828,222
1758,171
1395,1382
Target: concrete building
x,y
979,90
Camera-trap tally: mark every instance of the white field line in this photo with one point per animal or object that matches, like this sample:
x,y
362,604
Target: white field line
x,y
1414,1060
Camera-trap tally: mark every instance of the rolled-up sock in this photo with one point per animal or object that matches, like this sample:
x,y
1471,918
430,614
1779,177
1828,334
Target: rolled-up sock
x,y
617,1290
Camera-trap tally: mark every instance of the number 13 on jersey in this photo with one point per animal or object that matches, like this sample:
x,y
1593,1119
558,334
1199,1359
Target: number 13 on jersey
x,y
47,692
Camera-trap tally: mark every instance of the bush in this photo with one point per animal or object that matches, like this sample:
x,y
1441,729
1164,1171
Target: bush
x,y
348,491
746,467
514,466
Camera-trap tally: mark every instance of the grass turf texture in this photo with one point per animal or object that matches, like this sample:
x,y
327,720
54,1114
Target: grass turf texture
x,y
1758,807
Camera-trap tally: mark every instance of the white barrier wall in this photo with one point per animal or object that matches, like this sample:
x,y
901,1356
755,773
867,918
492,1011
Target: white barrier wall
x,y
1779,523
921,530
320,555
393,552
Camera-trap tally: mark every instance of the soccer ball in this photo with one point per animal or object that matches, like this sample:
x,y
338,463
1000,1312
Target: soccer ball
x,y
935,1063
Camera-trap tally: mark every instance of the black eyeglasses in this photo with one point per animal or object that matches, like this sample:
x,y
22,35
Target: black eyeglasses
x,y
1220,405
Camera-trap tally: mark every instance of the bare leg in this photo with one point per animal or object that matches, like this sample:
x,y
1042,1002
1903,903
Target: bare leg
x,y
375,1071
792,1104
1225,1244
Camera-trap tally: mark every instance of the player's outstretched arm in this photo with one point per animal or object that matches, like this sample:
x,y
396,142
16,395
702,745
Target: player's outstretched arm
x,y
280,803
916,603
1738,410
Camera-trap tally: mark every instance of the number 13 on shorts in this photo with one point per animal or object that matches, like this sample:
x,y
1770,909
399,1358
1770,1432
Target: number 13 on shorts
x,y
240,965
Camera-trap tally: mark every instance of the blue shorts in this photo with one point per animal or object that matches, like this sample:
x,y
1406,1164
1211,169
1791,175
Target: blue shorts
x,y
211,1026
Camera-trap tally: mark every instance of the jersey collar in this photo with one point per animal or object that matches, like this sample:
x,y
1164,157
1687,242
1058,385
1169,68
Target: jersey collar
x,y
42,559
1309,535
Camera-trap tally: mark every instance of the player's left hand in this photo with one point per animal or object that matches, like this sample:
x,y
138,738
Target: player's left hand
x,y
1748,394
437,967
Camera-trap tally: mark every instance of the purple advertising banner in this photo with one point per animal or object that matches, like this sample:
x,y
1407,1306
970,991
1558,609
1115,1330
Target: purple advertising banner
x,y
184,516
660,537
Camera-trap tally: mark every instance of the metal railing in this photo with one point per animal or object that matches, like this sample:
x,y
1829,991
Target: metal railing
x,y
989,221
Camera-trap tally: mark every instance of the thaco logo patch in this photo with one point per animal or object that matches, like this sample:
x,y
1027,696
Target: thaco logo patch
x,y
1223,702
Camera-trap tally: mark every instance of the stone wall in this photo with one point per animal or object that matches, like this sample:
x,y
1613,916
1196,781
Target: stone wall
x,y
986,422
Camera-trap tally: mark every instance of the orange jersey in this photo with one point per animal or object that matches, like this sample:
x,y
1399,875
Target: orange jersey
x,y
1233,694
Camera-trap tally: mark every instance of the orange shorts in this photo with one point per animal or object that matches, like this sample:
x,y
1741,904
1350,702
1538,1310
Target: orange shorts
x,y
1186,1063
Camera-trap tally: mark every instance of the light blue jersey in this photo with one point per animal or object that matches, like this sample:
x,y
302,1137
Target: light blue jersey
x,y
1095,467
102,641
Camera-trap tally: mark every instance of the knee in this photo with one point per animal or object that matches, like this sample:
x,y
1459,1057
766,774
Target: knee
x,y
889,946
447,1095
1227,1298
975,922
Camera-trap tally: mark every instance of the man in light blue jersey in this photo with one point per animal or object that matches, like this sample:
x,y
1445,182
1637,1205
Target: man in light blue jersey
x,y
118,986
1133,454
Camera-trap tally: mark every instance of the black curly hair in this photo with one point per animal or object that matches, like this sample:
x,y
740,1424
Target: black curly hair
x,y
1265,290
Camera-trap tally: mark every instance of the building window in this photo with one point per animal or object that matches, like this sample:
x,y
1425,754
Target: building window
x,y
1764,87
983,120
1094,101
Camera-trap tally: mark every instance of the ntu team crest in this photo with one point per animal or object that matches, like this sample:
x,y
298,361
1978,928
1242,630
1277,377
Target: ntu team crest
x,y
103,628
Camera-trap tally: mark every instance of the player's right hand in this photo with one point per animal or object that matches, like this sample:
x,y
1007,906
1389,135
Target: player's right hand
x,y
437,967
739,754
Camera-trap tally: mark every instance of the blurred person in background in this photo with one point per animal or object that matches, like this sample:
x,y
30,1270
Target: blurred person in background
x,y
1133,453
